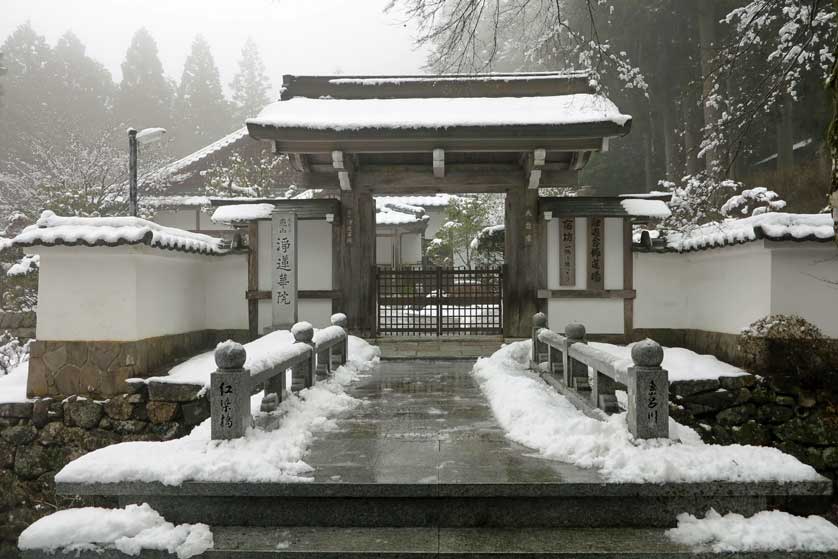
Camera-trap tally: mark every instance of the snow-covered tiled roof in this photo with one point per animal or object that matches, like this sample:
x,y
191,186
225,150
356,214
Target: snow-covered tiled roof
x,y
645,207
435,201
388,216
206,151
52,230
238,213
439,112
775,226
402,80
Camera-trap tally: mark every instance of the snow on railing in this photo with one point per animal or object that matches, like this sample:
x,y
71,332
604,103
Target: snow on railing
x,y
231,386
565,361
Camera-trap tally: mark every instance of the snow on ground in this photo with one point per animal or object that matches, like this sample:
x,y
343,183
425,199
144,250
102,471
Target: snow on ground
x,y
13,385
260,456
129,530
535,415
681,363
765,531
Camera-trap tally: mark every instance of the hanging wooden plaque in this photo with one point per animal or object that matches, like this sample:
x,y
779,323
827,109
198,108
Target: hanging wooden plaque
x,y
596,253
567,252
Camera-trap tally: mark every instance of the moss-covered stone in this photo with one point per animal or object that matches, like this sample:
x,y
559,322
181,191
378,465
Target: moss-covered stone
x,y
772,413
736,415
752,433
813,430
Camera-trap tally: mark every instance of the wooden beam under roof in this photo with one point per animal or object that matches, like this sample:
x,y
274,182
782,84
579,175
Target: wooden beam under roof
x,y
535,166
343,170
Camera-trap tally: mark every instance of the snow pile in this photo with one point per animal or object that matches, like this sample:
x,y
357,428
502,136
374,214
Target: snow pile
x,y
773,225
130,530
681,363
259,456
51,229
765,531
26,265
437,112
533,414
13,383
242,212
646,207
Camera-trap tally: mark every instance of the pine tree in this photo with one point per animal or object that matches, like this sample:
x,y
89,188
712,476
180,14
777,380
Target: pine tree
x,y
3,71
203,112
250,84
145,95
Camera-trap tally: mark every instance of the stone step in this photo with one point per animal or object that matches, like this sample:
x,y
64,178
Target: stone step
x,y
420,543
510,505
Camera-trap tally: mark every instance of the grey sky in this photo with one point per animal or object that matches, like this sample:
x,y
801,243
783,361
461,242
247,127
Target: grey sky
x,y
294,36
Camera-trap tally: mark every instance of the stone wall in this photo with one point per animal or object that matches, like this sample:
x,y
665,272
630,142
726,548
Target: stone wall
x,y
99,369
18,324
752,410
38,438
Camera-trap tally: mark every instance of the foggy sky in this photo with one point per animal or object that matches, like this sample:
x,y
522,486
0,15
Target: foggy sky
x,y
294,36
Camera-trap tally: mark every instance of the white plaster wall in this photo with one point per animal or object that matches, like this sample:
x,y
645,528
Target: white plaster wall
x,y
131,293
314,254
600,316
265,310
805,282
86,294
206,224
411,248
226,284
729,287
182,219
384,251
662,292
316,311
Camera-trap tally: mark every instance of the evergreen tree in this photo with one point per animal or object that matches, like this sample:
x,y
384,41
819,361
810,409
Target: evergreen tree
x,y
250,84
145,95
83,87
27,112
3,71
203,112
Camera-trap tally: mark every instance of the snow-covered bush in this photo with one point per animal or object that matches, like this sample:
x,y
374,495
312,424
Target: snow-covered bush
x,y
753,201
12,352
787,346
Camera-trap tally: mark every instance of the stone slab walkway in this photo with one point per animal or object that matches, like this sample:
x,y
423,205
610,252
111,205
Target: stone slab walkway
x,y
468,348
428,422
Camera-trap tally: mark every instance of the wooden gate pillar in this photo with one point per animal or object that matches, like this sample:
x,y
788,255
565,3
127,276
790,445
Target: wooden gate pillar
x,y
356,261
526,262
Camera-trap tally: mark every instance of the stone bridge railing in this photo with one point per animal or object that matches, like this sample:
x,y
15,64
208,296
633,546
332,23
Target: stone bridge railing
x,y
590,377
232,385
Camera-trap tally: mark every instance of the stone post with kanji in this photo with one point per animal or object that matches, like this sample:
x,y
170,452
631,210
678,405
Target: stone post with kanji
x,y
230,392
648,392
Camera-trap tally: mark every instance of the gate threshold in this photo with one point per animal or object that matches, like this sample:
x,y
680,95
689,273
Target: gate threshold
x,y
453,347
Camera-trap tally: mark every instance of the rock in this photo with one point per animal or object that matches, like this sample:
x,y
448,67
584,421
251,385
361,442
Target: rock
x,y
56,410
772,413
762,395
7,455
806,399
167,431
735,383
808,455
106,423
137,398
812,430
736,415
51,434
743,395
785,401
119,407
721,435
687,388
195,412
129,427
31,461
82,413
171,392
830,457
20,435
161,412
98,438
19,410
40,412
752,433
715,401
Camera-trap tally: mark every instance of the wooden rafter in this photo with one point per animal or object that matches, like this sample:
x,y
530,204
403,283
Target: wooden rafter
x,y
539,158
343,170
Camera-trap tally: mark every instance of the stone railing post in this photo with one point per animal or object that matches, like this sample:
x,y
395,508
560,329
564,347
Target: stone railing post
x,y
304,333
539,321
230,392
648,392
339,319
604,393
575,373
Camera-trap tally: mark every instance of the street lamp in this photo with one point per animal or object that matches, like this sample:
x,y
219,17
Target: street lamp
x,y
145,137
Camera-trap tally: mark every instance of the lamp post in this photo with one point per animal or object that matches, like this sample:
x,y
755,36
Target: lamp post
x,y
145,136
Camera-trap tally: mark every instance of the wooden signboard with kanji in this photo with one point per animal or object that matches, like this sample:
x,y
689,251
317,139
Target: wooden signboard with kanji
x,y
567,252
596,254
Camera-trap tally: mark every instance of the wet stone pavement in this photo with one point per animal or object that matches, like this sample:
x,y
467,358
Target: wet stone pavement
x,y
427,422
